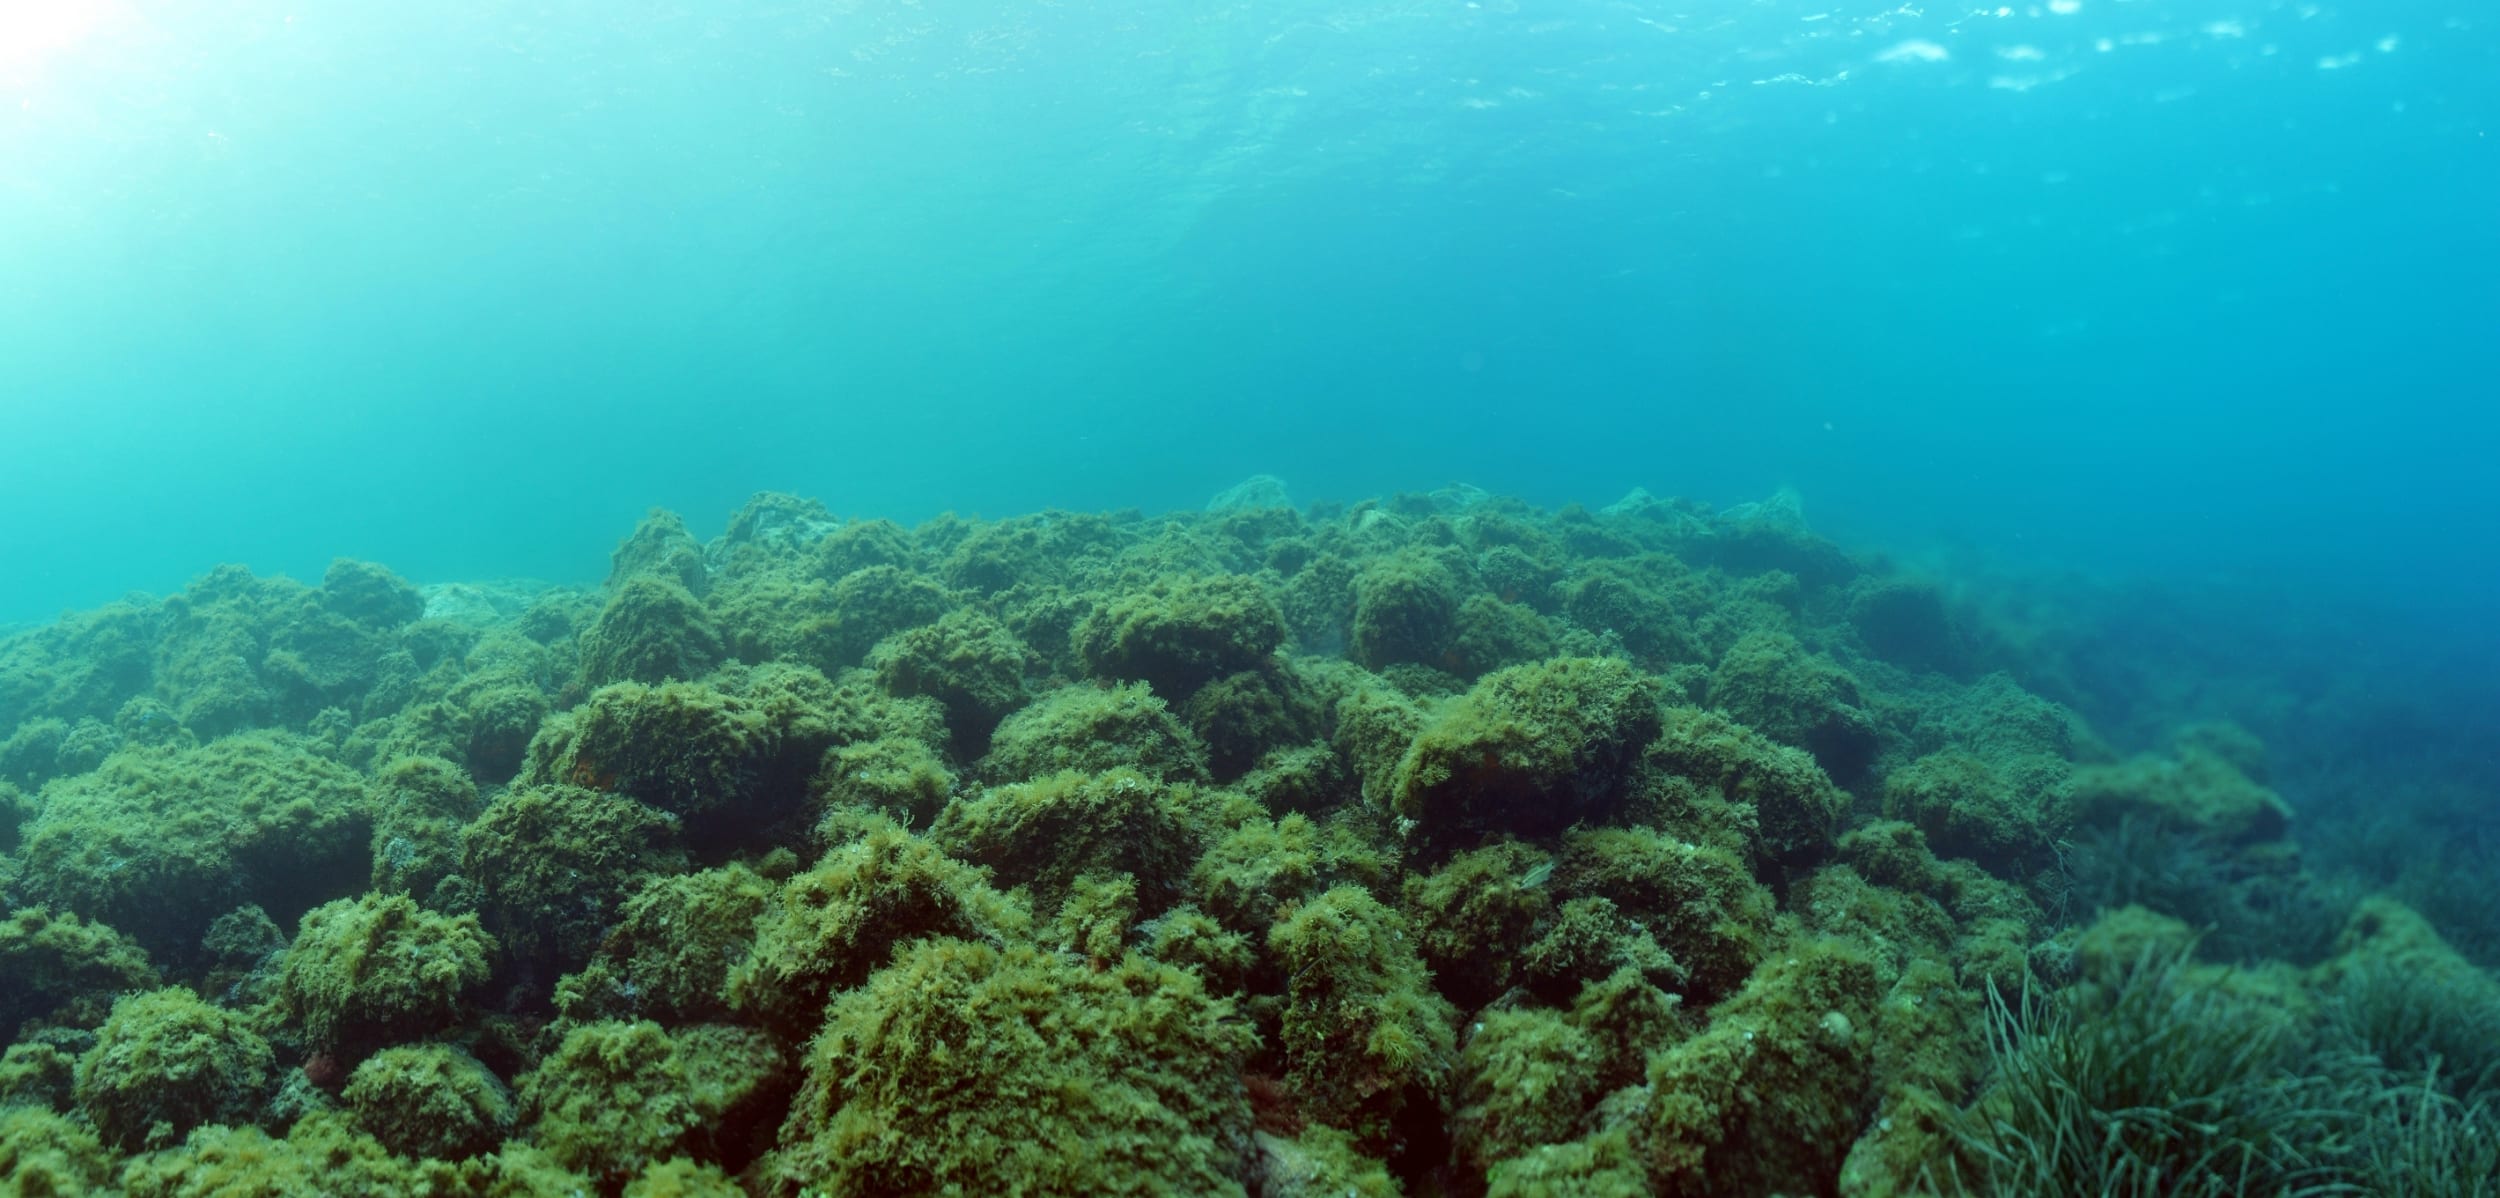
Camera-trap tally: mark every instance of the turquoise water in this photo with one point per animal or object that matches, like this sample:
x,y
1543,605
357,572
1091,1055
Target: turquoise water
x,y
2181,290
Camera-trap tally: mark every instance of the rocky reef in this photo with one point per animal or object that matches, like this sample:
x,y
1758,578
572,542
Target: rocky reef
x,y
1432,845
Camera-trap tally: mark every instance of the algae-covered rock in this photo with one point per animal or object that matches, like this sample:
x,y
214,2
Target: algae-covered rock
x,y
1769,1097
2197,790
661,548
1698,902
616,1098
56,966
1405,606
1796,809
1476,915
1091,729
731,760
1047,832
1529,751
652,630
552,864
156,842
1252,873
966,661
899,776
1491,634
670,954
1601,1165
1525,1078
164,1063
831,926
1968,809
963,1068
1179,635
430,1100
378,970
44,1154
1772,684
1241,717
1363,1035
37,1073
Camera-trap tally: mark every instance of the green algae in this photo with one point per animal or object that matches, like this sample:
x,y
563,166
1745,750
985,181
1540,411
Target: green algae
x,y
1432,845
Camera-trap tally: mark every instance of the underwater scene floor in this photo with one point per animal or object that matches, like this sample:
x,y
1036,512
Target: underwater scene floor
x,y
1429,845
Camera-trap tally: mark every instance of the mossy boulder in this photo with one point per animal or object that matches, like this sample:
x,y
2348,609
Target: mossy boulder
x,y
1696,901
1525,1077
1768,1098
900,776
1362,1035
1529,751
1476,915
1046,833
660,547
652,630
1242,717
164,1062
1772,684
670,954
965,1068
1968,809
1795,807
965,661
1182,634
155,842
1405,610
829,927
1093,729
367,972
615,1098
58,967
430,1100
1492,633
551,865
44,1154
2196,790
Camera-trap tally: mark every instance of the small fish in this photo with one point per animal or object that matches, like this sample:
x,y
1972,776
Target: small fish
x,y
1536,877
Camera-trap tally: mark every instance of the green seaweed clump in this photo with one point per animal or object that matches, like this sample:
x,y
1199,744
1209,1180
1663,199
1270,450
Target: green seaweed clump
x,y
44,1154
1968,809
377,970
1046,833
1530,751
831,926
1526,1076
1796,811
966,661
1772,684
669,956
1405,610
899,776
164,1063
430,1100
1363,1034
615,1098
652,630
963,1068
58,967
1768,1098
157,842
1177,636
1093,729
552,864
